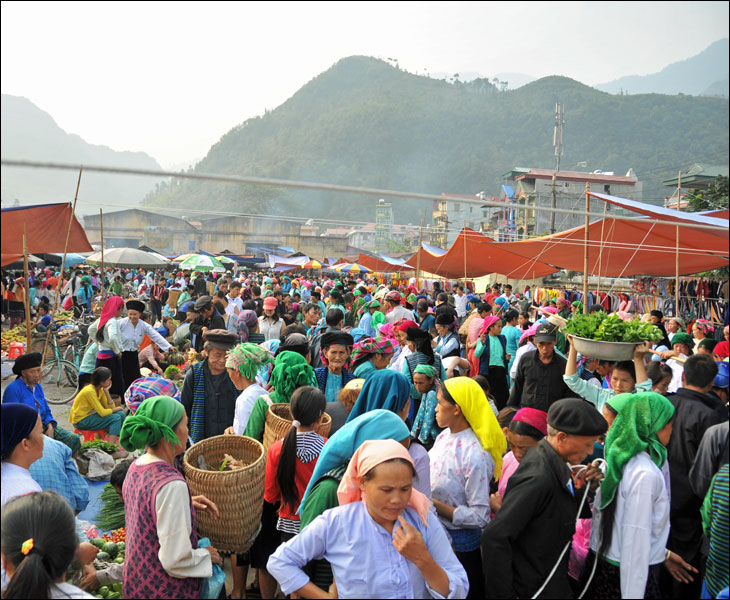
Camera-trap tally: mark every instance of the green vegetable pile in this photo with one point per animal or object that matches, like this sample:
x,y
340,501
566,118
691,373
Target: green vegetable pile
x,y
100,445
611,328
111,515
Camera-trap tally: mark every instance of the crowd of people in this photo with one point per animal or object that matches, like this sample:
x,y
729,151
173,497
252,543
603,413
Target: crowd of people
x,y
472,451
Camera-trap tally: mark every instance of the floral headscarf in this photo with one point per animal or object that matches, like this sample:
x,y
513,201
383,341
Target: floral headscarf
x,y
381,345
247,359
246,319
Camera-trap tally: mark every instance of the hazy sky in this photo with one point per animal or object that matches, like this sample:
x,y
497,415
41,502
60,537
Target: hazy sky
x,y
170,78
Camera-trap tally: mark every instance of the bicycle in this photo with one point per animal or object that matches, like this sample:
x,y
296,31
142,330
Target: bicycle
x,y
60,377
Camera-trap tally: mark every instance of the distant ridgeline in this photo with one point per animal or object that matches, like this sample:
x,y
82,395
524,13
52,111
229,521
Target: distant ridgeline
x,y
364,122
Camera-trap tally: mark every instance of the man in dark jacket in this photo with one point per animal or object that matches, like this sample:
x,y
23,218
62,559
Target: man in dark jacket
x,y
539,381
695,412
208,318
335,322
533,529
208,394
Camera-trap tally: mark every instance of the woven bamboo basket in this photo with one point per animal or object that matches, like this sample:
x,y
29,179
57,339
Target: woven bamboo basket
x,y
239,494
172,297
279,420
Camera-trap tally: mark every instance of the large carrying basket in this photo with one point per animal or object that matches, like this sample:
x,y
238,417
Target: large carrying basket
x,y
279,420
238,494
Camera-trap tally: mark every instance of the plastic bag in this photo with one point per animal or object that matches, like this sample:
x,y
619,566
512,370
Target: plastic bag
x,y
212,586
100,464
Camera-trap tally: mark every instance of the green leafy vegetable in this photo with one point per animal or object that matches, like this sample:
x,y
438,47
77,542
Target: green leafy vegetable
x,y
601,326
111,515
100,445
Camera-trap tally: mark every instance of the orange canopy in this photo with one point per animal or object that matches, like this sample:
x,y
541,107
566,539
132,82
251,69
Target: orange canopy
x,y
626,248
45,227
475,255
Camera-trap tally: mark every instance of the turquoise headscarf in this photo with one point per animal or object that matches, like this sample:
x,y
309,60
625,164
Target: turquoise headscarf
x,y
374,425
386,389
639,418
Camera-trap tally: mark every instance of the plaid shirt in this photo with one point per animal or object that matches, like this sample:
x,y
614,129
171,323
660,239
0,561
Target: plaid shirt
x,y
147,387
56,471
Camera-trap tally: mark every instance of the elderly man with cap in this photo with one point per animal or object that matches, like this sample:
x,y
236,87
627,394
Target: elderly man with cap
x,y
133,330
393,310
538,381
208,319
533,530
208,394
26,389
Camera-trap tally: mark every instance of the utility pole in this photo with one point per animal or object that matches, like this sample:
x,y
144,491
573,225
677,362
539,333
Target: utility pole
x,y
558,145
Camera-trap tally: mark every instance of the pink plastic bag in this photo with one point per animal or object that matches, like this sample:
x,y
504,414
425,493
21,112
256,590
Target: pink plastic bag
x,y
580,547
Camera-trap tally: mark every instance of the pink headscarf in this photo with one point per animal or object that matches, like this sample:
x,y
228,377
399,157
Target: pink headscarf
x,y
532,416
388,330
550,310
368,456
530,331
488,322
111,306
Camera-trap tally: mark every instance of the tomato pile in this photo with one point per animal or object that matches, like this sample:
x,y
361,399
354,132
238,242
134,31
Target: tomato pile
x,y
117,535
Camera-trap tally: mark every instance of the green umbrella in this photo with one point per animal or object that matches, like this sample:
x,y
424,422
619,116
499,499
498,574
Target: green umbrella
x,y
200,262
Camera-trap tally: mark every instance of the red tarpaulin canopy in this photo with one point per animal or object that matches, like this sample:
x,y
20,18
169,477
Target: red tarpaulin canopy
x,y
626,248
381,266
46,226
475,255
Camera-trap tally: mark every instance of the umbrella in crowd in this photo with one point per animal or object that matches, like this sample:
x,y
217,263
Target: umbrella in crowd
x,y
200,262
182,257
312,264
351,268
127,257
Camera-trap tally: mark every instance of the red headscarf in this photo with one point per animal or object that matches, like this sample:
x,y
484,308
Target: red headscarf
x,y
532,416
405,324
111,306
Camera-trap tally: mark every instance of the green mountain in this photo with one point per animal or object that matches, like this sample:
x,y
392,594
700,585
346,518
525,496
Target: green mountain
x,y
366,123
28,133
693,75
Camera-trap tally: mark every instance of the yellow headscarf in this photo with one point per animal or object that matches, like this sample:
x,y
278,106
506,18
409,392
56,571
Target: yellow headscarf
x,y
472,401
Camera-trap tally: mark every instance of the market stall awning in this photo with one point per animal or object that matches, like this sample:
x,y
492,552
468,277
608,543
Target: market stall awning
x,y
45,228
627,248
380,265
474,255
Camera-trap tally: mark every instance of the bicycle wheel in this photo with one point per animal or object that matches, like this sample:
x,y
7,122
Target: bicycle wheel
x,y
37,346
73,354
59,380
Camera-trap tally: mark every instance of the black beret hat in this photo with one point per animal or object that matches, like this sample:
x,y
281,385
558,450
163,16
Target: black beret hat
x,y
576,417
220,338
336,338
444,319
27,361
135,305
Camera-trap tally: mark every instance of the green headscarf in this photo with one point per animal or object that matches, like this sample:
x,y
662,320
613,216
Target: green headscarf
x,y
291,370
579,305
640,417
86,279
428,371
152,422
247,359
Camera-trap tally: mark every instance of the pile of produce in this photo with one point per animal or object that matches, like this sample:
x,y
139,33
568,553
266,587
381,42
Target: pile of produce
x,y
111,515
110,552
175,358
16,334
99,445
601,326
227,464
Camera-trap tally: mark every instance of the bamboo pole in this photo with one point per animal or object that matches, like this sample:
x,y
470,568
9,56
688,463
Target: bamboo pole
x,y
59,284
676,254
464,251
418,256
101,237
26,301
600,259
585,245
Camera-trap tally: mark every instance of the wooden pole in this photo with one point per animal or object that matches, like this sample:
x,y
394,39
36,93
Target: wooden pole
x,y
600,259
101,237
676,254
27,291
59,284
585,246
465,251
418,256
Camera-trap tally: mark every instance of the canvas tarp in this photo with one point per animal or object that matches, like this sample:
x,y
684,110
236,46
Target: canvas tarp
x,y
627,248
474,255
45,226
381,265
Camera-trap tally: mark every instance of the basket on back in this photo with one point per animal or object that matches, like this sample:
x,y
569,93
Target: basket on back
x,y
279,420
238,494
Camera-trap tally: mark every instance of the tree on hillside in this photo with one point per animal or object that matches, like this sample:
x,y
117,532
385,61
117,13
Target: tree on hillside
x,y
714,197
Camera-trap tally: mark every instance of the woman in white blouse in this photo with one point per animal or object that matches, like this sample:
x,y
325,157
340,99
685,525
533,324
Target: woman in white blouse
x,y
631,510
